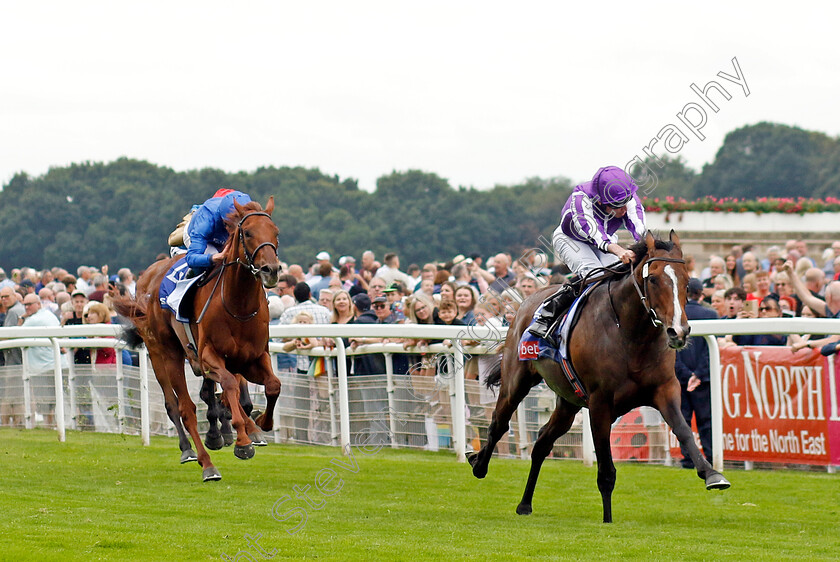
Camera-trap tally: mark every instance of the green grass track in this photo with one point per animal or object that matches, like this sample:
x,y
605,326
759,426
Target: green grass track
x,y
106,497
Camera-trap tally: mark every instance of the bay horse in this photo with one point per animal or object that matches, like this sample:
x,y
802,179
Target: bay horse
x,y
623,350
231,338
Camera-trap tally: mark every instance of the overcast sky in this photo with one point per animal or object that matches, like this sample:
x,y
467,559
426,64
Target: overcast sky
x,y
480,93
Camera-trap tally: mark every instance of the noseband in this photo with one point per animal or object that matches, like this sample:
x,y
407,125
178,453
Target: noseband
x,y
657,323
250,256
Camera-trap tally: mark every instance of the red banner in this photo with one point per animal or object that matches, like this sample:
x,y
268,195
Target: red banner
x,y
780,406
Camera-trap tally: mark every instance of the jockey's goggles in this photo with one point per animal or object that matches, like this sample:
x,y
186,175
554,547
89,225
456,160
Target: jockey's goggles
x,y
619,204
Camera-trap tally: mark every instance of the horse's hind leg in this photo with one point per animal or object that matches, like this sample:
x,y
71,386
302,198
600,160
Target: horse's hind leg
x,y
517,380
248,407
261,372
559,423
215,412
187,409
667,401
170,401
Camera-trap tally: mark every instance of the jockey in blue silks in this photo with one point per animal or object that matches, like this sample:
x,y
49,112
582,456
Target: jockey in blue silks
x,y
206,233
586,238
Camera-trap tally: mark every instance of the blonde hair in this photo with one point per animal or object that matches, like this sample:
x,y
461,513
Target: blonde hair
x,y
300,316
425,299
335,317
101,310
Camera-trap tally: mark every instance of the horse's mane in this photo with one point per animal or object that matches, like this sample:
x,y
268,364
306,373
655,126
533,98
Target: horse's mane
x,y
641,250
232,220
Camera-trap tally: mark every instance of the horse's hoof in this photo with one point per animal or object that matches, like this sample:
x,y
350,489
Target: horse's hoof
x,y
258,439
523,509
245,452
472,457
214,443
255,414
717,482
211,474
228,438
188,456
478,470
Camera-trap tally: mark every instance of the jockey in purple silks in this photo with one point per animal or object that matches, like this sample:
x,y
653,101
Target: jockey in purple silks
x,y
586,238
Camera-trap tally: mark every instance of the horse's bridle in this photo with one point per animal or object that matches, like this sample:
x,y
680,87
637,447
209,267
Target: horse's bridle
x,y
250,257
657,323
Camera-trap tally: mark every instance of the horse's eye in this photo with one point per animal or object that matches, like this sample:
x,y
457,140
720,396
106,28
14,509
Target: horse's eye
x,y
247,234
654,280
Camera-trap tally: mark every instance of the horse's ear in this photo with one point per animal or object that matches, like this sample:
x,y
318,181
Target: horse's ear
x,y
675,240
269,207
239,208
651,243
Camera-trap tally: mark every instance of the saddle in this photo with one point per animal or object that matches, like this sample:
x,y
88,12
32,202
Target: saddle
x,y
532,347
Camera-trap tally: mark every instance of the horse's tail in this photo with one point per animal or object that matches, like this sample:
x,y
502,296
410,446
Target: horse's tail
x,y
494,378
134,311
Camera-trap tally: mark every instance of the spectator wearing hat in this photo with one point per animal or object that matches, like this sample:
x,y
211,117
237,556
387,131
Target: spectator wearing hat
x,y
692,369
394,294
28,286
347,260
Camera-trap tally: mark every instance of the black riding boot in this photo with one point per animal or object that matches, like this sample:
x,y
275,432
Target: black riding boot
x,y
552,310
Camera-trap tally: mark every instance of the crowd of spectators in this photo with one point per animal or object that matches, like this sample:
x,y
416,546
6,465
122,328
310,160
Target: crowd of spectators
x,y
787,282
466,290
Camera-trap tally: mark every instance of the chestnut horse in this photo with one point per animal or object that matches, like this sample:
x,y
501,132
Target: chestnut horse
x,y
231,337
622,349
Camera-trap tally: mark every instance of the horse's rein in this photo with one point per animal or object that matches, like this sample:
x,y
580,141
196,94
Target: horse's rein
x,y
657,323
249,266
250,257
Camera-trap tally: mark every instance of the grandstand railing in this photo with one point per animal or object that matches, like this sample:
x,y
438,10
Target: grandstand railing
x,y
137,414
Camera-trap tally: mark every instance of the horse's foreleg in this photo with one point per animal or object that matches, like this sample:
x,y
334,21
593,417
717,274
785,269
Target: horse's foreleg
x,y
667,401
244,448
559,423
601,422
517,381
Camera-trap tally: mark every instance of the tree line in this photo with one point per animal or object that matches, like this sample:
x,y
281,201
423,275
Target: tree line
x,y
121,212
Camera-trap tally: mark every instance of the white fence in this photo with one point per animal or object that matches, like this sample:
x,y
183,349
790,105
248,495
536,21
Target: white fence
x,y
415,411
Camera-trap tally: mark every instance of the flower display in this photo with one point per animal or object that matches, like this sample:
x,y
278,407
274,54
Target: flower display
x,y
800,205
